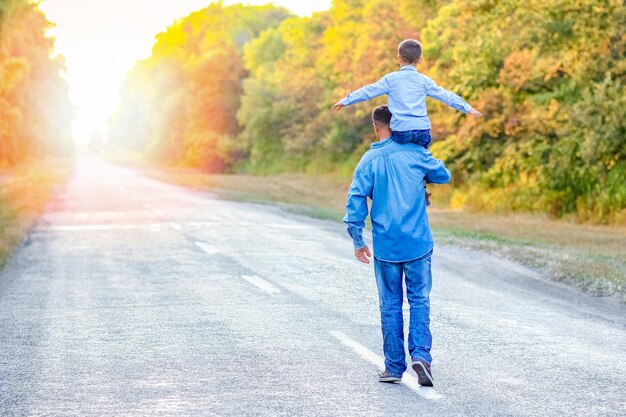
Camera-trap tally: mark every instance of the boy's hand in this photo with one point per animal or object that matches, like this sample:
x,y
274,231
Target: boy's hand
x,y
362,254
338,106
475,113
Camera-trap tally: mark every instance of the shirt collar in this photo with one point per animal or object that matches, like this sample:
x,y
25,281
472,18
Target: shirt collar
x,y
381,143
408,67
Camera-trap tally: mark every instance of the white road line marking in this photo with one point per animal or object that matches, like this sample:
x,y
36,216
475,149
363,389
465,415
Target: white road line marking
x,y
97,227
261,284
158,212
176,226
207,248
407,379
233,223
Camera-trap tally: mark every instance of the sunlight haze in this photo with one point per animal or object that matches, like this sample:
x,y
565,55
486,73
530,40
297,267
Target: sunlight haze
x,y
102,40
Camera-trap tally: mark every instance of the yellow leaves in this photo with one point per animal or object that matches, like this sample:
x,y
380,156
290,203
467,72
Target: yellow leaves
x,y
541,120
553,109
553,69
458,199
13,71
171,43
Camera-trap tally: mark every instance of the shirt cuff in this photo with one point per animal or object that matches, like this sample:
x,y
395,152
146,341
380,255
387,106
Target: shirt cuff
x,y
467,108
345,101
356,234
358,242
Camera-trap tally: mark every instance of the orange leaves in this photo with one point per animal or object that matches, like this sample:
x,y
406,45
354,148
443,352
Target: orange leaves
x,y
496,109
517,68
525,70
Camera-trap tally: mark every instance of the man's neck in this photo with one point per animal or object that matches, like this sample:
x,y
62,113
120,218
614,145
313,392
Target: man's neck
x,y
384,135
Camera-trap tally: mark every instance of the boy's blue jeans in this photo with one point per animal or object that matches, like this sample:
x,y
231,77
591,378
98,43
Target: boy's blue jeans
x,y
421,137
418,278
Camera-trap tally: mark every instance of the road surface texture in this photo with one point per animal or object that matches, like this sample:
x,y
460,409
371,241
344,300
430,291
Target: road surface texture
x,y
132,297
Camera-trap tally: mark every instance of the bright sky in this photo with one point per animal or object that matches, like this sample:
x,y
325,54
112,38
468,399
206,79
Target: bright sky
x,y
102,39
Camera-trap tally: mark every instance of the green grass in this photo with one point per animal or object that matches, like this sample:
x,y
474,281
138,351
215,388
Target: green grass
x,y
25,190
598,274
591,257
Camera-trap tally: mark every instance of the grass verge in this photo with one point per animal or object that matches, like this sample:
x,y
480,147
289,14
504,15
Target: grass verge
x,y
588,256
24,193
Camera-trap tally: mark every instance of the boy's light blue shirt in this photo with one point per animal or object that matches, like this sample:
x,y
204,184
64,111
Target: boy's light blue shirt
x,y
392,176
406,91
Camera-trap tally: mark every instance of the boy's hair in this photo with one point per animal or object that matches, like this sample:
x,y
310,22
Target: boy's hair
x,y
381,116
410,51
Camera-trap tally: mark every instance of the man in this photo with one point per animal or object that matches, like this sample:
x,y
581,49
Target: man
x,y
391,174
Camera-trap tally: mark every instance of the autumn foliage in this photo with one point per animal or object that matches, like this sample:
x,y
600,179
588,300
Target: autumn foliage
x,y
35,111
236,88
180,104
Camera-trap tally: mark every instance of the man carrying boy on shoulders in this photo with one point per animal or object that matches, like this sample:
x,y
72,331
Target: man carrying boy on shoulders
x,y
390,174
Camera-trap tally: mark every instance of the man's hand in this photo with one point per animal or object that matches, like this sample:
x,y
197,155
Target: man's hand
x,y
362,254
476,113
338,106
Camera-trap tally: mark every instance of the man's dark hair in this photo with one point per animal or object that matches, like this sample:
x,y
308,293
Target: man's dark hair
x,y
381,115
410,51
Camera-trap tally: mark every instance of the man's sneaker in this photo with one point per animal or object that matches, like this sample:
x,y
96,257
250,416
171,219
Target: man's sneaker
x,y
422,369
428,194
388,377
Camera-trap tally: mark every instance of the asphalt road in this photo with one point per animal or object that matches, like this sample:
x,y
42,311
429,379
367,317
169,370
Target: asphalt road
x,y
136,298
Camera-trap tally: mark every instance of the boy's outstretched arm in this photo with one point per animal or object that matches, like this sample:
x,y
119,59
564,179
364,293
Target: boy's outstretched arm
x,y
449,98
363,94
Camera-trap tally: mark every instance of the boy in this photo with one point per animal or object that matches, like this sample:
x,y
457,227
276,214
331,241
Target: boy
x,y
406,91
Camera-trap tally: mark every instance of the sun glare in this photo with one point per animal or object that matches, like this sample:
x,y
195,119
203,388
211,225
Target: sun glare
x,y
101,41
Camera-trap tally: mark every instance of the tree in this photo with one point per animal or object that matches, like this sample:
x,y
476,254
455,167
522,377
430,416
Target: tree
x,y
180,104
35,112
547,74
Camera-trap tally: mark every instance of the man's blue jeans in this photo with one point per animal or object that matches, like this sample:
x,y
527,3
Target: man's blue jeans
x,y
418,278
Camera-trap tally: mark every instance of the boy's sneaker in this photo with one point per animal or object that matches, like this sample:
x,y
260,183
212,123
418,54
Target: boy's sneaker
x,y
388,377
428,194
422,369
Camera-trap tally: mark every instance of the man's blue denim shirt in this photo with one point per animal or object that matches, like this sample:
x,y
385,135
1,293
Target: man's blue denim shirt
x,y
406,91
392,175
